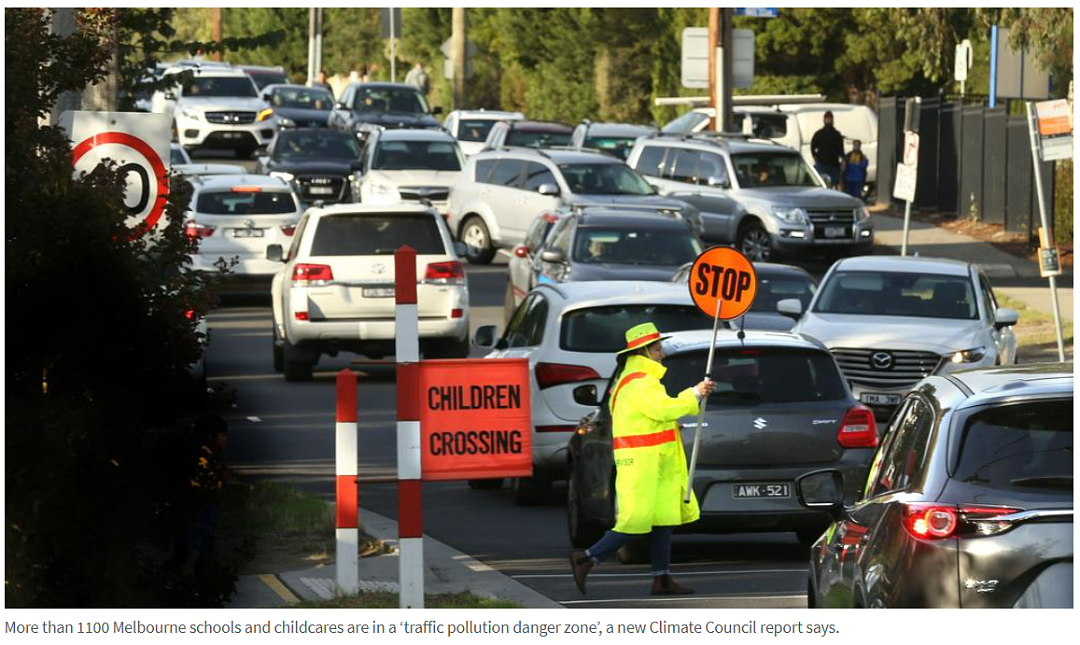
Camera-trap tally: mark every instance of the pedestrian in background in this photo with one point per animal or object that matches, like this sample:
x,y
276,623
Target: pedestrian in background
x,y
855,167
650,464
320,81
827,147
418,77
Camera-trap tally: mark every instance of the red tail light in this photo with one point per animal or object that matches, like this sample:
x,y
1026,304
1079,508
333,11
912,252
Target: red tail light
x,y
552,374
302,315
189,314
304,274
457,313
858,429
445,273
194,230
521,251
928,521
288,229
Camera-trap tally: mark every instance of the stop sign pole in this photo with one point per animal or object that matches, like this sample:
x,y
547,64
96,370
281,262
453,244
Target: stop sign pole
x,y
704,402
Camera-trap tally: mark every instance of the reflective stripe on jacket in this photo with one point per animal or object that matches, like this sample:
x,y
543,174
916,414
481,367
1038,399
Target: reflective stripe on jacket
x,y
650,463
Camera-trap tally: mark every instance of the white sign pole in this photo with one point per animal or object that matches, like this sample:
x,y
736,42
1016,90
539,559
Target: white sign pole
x,y
1033,132
701,412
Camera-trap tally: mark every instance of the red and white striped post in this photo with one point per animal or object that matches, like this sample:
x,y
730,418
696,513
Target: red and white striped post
x,y
407,350
346,502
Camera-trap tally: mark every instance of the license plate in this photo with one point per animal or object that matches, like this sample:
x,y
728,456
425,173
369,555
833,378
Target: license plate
x,y
247,232
378,292
232,135
757,491
834,231
321,190
871,398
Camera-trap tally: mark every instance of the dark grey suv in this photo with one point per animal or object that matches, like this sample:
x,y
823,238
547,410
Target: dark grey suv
x,y
780,409
969,502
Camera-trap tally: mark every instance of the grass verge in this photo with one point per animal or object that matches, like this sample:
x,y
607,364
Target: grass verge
x,y
1035,328
388,600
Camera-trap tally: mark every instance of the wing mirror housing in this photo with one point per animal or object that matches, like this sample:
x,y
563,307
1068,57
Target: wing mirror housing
x,y
1005,317
553,256
790,307
548,189
586,395
822,490
437,109
485,336
717,181
275,253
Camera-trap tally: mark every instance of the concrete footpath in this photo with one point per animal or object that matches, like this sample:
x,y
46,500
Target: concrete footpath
x,y
446,570
1012,276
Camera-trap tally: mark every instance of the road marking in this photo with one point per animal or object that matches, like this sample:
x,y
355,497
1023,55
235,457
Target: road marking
x,y
681,599
647,573
254,419
278,587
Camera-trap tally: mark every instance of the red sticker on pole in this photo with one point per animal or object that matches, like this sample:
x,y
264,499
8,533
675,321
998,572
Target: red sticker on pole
x,y
722,274
475,419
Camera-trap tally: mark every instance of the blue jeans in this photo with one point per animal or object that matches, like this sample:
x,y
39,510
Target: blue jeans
x,y
659,547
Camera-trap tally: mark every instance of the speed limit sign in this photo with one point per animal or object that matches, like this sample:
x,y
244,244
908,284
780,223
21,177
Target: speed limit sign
x,y
139,144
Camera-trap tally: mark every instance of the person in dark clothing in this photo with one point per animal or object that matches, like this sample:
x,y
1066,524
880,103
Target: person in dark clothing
x,y
827,146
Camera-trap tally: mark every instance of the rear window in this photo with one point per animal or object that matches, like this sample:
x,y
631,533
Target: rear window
x,y
1022,448
602,330
376,235
242,203
759,375
530,139
416,155
474,129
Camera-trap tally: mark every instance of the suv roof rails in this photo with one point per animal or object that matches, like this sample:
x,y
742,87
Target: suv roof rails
x,y
580,209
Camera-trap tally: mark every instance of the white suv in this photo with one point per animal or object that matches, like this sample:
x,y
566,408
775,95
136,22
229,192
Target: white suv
x,y
471,127
335,291
892,321
219,107
570,333
409,166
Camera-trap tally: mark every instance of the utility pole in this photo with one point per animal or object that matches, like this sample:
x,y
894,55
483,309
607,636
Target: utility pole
x,y
720,66
458,40
215,22
315,29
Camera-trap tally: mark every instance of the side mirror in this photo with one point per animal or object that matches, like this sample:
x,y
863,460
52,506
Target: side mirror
x,y
790,307
436,110
548,189
266,97
822,490
275,253
1005,317
460,249
554,257
485,336
339,106
263,161
586,395
716,181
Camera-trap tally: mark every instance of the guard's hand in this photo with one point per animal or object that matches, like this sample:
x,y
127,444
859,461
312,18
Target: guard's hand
x,y
705,388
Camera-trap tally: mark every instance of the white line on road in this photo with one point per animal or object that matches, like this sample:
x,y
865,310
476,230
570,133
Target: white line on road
x,y
647,573
254,419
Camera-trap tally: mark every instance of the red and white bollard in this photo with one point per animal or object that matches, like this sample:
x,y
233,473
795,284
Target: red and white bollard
x,y
346,502
407,351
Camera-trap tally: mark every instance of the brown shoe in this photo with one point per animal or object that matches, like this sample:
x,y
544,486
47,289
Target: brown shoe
x,y
665,586
581,564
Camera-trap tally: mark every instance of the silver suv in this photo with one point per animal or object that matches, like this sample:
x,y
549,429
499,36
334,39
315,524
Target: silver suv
x,y
500,193
786,207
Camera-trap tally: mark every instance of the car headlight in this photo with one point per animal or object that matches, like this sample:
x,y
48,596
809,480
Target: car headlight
x,y
790,215
969,355
287,176
286,122
191,113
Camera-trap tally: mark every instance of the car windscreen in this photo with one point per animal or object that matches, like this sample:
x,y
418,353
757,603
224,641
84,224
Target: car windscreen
x,y
389,99
232,202
758,169
534,139
617,146
302,98
628,246
376,234
604,179
885,293
1020,447
262,79
771,289
416,155
474,129
323,144
216,86
759,375
685,124
601,330
177,156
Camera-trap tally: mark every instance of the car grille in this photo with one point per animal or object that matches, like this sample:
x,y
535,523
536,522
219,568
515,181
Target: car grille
x,y
310,188
832,218
871,368
230,118
430,193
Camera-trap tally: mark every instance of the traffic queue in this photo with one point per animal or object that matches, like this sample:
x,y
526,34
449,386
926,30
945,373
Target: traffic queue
x,y
878,414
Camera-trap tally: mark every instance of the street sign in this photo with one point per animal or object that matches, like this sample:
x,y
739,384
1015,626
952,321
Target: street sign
x,y
721,275
1049,262
1055,129
904,188
962,61
742,58
475,419
694,67
390,23
758,12
139,144
911,149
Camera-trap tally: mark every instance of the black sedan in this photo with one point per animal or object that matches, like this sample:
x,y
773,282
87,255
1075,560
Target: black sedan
x,y
775,282
298,106
319,162
365,107
781,409
969,502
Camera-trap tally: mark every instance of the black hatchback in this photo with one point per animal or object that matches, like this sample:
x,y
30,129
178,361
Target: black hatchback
x,y
781,409
969,502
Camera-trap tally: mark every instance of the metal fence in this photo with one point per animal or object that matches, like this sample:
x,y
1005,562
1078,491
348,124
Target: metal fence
x,y
974,161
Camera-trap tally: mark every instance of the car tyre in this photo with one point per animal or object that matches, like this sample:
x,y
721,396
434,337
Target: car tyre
x,y
532,491
298,367
477,239
583,531
754,242
486,484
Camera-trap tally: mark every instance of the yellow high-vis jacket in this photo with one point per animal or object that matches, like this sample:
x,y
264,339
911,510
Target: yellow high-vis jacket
x,y
650,463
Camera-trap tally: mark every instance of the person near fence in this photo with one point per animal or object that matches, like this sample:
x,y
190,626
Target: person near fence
x,y
855,168
827,146
418,77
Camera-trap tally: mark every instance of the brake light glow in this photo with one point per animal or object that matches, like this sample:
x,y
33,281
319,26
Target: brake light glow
x,y
288,229
302,315
552,374
928,521
521,251
858,429
457,313
247,189
194,230
445,273
312,274
264,114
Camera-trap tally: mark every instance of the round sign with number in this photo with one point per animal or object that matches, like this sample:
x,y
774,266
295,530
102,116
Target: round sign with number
x,y
146,175
723,283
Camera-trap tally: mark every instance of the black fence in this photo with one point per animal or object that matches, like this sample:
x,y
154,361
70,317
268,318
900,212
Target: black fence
x,y
974,161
